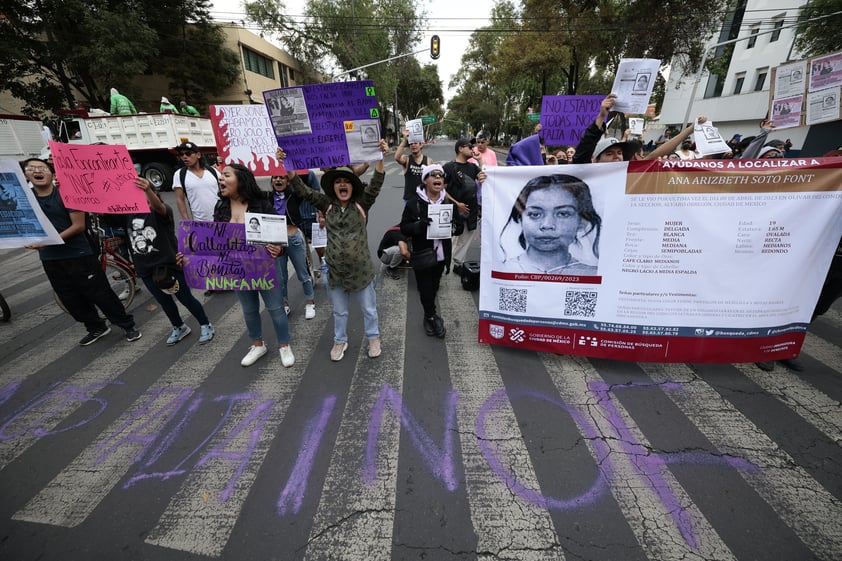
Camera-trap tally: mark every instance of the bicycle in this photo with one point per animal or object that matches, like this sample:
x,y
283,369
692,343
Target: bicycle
x,y
5,311
119,271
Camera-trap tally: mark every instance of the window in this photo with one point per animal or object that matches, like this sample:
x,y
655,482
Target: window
x,y
753,40
258,63
282,72
761,79
291,74
776,34
738,84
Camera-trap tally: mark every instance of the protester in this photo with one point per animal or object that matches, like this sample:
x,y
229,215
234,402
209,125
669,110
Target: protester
x,y
555,214
345,202
287,203
436,253
483,154
188,109
120,104
240,194
198,187
461,177
167,107
73,269
154,247
393,251
411,165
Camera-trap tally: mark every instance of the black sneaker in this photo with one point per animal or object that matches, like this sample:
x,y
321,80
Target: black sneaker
x,y
94,336
430,326
133,335
438,327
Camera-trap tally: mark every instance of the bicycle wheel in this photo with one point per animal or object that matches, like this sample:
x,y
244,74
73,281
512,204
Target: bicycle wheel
x,y
5,312
122,282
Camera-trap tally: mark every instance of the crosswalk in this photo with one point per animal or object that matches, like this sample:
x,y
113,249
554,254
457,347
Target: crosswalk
x,y
439,449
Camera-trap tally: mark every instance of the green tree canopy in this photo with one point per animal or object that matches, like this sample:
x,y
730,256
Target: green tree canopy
x,y
52,52
823,36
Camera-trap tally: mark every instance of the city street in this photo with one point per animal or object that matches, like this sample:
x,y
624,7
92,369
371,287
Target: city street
x,y
440,449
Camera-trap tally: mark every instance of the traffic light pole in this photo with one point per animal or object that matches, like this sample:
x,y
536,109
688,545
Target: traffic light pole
x,y
333,79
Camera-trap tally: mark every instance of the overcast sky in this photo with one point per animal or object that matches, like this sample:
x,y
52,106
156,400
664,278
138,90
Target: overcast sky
x,y
452,21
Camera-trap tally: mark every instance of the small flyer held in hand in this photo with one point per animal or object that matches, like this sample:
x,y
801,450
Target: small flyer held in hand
x,y
440,227
263,229
319,236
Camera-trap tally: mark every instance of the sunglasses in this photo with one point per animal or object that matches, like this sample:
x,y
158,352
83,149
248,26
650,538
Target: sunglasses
x,y
435,174
36,168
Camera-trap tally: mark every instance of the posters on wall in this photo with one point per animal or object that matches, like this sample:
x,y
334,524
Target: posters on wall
x,y
22,222
823,106
826,71
97,178
790,79
676,261
244,136
786,112
325,125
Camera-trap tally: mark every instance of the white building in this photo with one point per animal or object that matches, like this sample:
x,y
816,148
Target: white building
x,y
738,100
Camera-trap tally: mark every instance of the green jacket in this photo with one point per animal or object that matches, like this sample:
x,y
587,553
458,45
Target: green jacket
x,y
347,253
189,110
169,107
121,105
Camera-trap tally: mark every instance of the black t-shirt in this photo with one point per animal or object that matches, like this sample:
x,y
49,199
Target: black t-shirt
x,y
152,240
412,177
460,179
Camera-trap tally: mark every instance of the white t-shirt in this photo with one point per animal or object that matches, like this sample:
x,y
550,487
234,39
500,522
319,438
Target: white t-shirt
x,y
202,193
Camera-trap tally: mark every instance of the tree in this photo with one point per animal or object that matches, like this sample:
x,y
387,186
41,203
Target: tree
x,y
54,51
823,36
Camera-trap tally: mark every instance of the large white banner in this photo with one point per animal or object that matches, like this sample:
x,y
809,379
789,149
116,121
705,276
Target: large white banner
x,y
672,261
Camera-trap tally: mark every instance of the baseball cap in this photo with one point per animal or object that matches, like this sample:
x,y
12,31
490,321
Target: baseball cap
x,y
187,147
609,141
465,142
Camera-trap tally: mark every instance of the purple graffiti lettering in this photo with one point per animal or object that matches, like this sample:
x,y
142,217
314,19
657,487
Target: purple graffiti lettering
x,y
259,416
8,391
293,493
438,460
152,416
589,431
65,398
166,442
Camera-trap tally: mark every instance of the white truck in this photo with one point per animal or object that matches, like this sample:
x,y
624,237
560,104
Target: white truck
x,y
21,138
151,138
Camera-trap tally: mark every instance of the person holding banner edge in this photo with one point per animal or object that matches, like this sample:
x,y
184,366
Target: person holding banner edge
x,y
240,194
344,201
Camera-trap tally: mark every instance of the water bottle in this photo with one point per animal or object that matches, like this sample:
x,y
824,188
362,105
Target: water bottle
x,y
324,269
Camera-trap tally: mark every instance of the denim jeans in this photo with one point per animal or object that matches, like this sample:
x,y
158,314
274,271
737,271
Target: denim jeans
x,y
184,296
274,301
368,304
297,253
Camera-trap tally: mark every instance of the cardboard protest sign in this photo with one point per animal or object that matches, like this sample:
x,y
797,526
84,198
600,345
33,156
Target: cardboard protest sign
x,y
244,136
564,118
97,178
22,222
326,125
217,257
662,261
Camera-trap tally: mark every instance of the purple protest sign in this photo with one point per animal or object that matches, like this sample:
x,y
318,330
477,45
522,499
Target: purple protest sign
x,y
325,125
564,118
217,257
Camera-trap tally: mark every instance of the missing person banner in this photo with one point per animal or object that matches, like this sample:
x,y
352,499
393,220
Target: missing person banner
x,y
217,257
326,125
22,222
666,261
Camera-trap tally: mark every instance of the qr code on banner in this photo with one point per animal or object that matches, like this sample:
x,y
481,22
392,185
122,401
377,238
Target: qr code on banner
x,y
580,303
512,300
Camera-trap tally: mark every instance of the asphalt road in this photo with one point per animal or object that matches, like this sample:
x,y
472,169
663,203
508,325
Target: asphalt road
x,y
438,449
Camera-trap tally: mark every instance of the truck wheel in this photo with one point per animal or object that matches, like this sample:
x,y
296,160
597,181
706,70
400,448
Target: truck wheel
x,y
159,175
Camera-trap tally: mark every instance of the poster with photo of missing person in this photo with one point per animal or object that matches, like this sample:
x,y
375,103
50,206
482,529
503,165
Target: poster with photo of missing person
x,y
22,222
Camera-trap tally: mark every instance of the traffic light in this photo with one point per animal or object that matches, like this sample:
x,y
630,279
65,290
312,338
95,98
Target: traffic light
x,y
435,47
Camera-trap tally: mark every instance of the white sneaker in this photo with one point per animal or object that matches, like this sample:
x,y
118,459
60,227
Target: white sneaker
x,y
286,308
287,358
253,354
338,351
309,311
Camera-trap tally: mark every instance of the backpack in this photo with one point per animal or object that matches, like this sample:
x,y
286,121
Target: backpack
x,y
182,174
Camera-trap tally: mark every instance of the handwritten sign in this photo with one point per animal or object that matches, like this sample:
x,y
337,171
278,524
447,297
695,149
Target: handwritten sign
x,y
324,125
244,136
97,178
217,257
564,118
